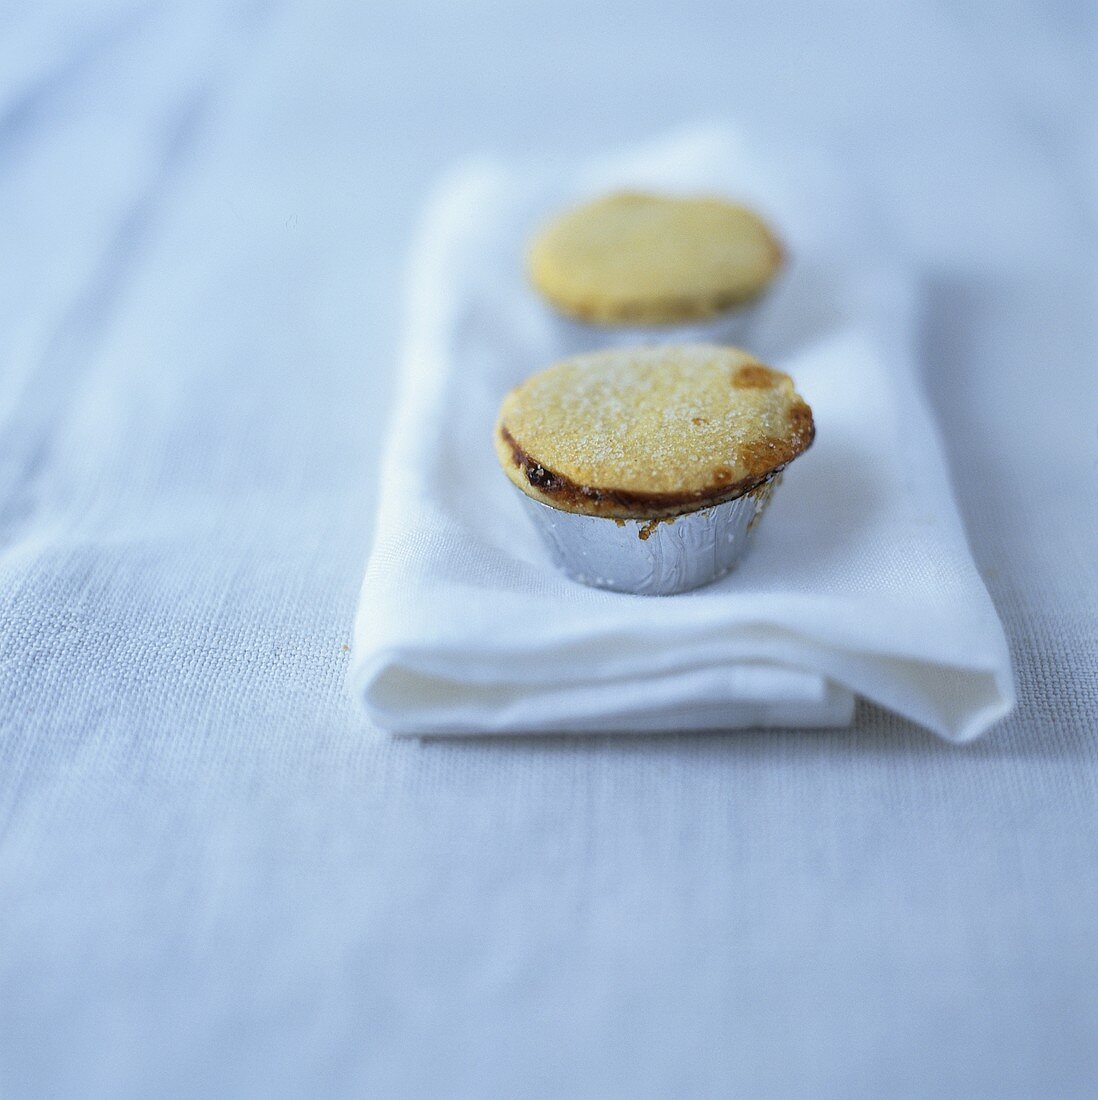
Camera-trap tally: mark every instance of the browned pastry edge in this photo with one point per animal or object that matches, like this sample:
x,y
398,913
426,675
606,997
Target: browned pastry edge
x,y
651,313
764,459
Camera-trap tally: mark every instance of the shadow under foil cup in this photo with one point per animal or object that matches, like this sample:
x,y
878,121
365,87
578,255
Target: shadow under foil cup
x,y
655,557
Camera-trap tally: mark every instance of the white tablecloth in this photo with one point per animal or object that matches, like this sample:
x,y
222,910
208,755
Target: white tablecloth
x,y
214,879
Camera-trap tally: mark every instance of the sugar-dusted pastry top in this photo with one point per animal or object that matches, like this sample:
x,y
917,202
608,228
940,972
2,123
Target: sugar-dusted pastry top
x,y
634,258
647,432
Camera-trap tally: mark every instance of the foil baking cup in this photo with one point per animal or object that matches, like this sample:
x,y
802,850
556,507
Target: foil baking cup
x,y
656,557
732,327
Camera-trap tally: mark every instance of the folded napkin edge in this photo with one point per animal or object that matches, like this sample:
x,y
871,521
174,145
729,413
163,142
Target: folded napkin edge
x,y
962,710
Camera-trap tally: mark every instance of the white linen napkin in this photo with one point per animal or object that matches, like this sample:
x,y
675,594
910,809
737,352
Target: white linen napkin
x,y
859,580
